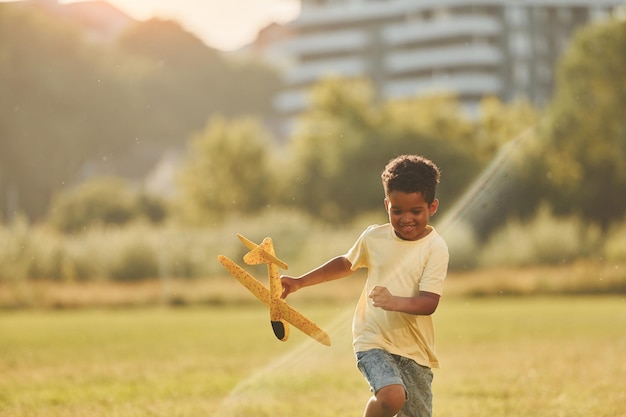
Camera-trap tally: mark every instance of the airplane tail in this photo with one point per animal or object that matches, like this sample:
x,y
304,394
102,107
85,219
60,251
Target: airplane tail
x,y
281,329
261,254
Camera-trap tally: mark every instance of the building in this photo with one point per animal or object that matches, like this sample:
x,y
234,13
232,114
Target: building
x,y
473,48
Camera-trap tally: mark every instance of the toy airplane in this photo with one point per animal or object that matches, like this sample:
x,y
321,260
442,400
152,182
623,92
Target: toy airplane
x,y
281,313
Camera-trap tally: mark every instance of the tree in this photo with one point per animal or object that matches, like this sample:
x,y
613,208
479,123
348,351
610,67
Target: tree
x,y
434,126
183,81
500,123
56,107
508,149
227,171
187,81
67,104
103,201
336,153
347,137
587,128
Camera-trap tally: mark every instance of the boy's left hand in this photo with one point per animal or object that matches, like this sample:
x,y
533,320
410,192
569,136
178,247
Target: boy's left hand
x,y
382,298
424,304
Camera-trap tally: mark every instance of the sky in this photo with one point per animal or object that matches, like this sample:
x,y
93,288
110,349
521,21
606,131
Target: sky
x,y
222,24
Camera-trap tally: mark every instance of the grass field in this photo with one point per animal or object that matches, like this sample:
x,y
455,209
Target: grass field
x,y
508,357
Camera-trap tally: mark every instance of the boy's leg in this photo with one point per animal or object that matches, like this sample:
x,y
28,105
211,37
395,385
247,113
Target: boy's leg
x,y
418,381
384,377
387,402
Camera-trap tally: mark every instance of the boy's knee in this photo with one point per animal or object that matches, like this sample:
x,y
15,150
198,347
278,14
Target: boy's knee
x,y
392,398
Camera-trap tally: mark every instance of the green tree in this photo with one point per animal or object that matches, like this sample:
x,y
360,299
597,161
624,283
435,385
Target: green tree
x,y
500,123
187,81
66,103
346,138
183,83
336,153
587,128
228,171
434,126
56,108
507,146
102,201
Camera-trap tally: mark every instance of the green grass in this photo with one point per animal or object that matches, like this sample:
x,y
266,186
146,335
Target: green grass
x,y
533,357
509,357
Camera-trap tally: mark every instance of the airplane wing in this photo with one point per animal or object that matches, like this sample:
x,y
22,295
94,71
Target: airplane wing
x,y
252,284
301,322
261,292
247,242
263,253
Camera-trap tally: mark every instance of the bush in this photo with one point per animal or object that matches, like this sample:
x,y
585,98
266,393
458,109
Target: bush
x,y
136,261
28,252
15,244
104,201
143,251
463,247
615,244
543,240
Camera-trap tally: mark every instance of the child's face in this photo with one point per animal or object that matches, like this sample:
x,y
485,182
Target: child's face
x,y
409,214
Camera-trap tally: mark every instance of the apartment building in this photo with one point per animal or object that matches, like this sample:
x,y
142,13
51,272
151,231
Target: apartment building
x,y
474,48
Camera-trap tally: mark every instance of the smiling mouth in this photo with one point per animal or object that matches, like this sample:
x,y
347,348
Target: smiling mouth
x,y
406,232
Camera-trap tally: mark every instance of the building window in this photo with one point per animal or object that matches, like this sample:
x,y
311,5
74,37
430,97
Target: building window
x,y
542,48
441,13
519,43
541,14
516,16
543,72
521,74
564,15
598,13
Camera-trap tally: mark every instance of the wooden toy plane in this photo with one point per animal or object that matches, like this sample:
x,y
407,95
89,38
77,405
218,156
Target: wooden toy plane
x,y
281,313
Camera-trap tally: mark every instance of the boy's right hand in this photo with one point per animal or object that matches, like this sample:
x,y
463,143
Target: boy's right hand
x,y
289,285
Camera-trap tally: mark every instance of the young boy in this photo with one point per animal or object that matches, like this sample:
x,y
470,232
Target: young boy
x,y
407,262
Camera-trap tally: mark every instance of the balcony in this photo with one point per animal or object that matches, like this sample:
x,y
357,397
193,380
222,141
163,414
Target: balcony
x,y
330,42
376,11
443,58
341,67
457,26
468,84
293,101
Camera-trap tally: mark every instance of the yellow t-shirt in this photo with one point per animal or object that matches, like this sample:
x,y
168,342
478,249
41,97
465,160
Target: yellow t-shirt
x,y
405,268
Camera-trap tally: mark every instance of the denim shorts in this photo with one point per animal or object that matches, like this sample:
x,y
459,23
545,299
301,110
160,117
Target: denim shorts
x,y
381,368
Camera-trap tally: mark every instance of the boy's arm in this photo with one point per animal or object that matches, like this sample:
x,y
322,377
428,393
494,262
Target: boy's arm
x,y
336,268
424,304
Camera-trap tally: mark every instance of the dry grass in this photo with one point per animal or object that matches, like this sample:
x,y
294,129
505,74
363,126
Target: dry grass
x,y
581,278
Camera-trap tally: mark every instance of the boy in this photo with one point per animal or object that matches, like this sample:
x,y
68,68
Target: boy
x,y
407,262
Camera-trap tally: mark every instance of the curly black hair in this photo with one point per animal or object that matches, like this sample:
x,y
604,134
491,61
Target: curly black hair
x,y
411,174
